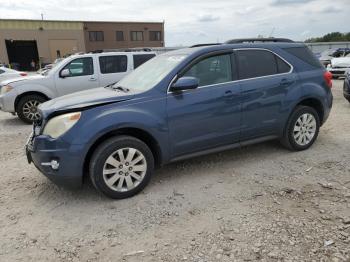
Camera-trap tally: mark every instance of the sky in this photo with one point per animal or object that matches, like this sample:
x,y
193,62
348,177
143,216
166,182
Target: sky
x,y
190,22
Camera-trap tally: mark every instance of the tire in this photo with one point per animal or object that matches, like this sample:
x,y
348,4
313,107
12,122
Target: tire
x,y
26,108
292,138
107,165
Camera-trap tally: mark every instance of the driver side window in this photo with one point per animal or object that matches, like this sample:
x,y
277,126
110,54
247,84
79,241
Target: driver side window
x,y
212,70
80,67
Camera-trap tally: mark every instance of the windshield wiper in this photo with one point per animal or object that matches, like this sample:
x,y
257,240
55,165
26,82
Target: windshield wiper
x,y
114,87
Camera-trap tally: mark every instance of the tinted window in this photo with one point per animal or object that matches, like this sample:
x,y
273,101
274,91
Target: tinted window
x,y
140,59
304,54
256,63
212,70
282,66
81,67
113,64
2,71
120,36
96,36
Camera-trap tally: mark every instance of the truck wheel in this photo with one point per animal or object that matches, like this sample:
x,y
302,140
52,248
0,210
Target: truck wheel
x,y
302,129
121,167
27,108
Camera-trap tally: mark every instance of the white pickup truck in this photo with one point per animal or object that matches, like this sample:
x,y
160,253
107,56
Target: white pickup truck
x,y
73,74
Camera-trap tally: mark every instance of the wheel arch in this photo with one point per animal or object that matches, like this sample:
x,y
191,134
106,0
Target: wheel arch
x,y
315,104
138,133
19,97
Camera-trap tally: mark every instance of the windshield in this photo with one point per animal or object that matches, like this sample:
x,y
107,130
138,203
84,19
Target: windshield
x,y
56,63
150,73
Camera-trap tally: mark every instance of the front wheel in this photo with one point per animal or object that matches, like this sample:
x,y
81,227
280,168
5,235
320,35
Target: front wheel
x,y
121,167
302,129
27,108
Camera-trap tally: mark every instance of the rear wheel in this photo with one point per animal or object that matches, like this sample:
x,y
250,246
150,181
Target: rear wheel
x,y
302,129
121,167
27,108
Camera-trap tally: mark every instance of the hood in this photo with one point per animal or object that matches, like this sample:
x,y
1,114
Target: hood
x,y
22,79
84,99
341,62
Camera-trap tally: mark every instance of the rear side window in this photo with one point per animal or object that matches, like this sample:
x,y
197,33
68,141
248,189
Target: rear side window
x,y
282,66
113,64
304,54
140,59
258,63
212,70
2,71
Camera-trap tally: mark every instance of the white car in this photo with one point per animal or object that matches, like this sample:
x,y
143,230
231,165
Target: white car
x,y
339,67
74,73
7,73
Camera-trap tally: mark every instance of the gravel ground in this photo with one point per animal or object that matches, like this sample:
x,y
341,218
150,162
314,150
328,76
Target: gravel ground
x,y
261,202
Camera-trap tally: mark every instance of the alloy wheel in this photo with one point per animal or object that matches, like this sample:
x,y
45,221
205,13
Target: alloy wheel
x,y
304,129
124,169
30,110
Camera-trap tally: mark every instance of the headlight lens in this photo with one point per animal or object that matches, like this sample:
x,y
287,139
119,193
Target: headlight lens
x,y
59,125
6,89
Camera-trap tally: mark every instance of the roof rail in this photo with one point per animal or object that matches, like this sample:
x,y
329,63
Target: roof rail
x,y
254,40
141,49
199,45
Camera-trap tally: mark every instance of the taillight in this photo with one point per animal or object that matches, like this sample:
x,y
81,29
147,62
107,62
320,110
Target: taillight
x,y
23,74
328,78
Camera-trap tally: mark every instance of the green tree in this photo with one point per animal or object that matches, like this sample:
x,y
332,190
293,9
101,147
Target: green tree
x,y
330,37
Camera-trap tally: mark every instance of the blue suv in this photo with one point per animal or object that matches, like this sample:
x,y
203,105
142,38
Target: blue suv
x,y
178,105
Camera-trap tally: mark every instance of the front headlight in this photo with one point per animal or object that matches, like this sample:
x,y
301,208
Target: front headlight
x,y
59,125
6,89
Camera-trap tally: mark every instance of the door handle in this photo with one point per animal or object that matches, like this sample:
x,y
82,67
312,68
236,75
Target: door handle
x,y
92,79
286,82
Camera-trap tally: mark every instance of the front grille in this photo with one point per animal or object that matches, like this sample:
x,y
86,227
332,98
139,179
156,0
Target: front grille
x,y
337,72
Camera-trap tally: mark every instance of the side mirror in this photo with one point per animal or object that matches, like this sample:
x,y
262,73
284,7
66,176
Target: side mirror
x,y
185,83
65,73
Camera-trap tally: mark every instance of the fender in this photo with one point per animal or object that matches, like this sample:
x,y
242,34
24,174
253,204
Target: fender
x,y
96,123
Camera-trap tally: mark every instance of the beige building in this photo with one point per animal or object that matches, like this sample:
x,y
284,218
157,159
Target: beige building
x,y
22,41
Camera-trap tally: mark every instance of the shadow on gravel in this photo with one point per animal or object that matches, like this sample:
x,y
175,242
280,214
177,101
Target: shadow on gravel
x,y
168,175
14,121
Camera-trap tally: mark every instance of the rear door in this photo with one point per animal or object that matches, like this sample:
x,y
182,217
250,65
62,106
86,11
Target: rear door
x,y
112,68
265,79
82,76
208,116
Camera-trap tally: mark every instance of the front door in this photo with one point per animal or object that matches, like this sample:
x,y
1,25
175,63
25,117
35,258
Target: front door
x,y
208,116
82,76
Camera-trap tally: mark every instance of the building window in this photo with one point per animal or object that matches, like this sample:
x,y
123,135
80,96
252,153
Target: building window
x,y
96,36
136,35
119,36
155,36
